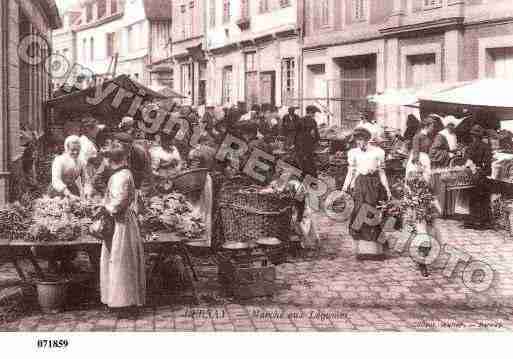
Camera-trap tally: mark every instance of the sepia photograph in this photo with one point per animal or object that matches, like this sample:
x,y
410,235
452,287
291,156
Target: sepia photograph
x,y
255,166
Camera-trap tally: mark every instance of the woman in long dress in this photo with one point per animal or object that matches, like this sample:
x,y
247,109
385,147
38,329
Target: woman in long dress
x,y
443,150
67,171
122,268
367,179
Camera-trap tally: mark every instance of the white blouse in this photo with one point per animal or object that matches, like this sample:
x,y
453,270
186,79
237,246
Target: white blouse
x,y
364,163
165,161
65,171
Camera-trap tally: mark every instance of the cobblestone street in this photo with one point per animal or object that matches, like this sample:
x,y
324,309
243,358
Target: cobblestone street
x,y
327,291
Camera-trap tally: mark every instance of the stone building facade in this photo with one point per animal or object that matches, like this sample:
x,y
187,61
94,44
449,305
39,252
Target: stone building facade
x,y
253,51
178,61
64,41
23,87
354,48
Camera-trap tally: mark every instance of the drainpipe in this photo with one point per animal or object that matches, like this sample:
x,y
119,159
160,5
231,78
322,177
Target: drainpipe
x,y
301,23
4,101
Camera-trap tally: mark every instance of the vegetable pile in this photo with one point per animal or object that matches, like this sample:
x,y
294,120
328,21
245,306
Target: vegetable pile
x,y
53,220
171,212
15,222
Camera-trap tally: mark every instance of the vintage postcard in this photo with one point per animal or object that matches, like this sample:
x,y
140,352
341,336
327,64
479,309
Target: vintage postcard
x,y
255,166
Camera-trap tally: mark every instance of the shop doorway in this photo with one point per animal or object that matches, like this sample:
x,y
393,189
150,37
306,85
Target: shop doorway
x,y
357,81
268,88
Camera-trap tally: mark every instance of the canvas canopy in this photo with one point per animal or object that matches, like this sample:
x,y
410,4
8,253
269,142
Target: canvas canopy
x,y
77,102
410,96
489,93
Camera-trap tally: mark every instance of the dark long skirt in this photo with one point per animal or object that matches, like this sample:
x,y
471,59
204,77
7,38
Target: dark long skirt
x,y
368,190
480,203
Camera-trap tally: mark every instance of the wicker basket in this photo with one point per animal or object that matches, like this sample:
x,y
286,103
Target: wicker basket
x,y
243,224
247,216
190,180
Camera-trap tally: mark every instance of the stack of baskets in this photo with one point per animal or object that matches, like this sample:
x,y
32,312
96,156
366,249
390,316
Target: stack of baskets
x,y
248,215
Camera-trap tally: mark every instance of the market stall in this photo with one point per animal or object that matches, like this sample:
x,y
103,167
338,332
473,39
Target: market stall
x,y
107,102
488,103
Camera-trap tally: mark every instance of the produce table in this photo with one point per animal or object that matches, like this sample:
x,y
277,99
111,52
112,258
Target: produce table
x,y
166,243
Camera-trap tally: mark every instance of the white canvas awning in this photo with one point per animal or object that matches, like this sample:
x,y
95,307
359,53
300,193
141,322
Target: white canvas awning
x,y
410,96
492,93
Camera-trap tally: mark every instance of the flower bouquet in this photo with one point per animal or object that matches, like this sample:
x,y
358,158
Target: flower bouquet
x,y
392,209
418,200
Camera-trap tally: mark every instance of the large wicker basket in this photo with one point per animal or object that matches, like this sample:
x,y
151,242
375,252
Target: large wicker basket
x,y
247,216
190,180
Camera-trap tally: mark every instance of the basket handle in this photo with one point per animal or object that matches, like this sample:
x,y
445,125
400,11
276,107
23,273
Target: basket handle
x,y
256,211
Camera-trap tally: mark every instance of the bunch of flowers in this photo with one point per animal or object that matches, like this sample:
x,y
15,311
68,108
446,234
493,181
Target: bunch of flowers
x,y
392,208
418,199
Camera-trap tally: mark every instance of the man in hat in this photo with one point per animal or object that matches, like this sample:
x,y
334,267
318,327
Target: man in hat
x,y
306,141
479,160
367,181
289,123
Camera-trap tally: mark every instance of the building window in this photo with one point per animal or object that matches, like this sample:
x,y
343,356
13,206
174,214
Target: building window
x,y
191,4
431,4
111,44
501,65
91,50
325,15
183,8
186,82
359,10
421,70
288,69
227,85
251,62
284,3
84,50
244,9
114,6
102,8
130,38
226,11
264,6
89,12
212,13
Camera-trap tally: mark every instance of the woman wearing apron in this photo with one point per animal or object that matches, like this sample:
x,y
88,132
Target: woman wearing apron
x,y
122,268
367,179
67,170
443,150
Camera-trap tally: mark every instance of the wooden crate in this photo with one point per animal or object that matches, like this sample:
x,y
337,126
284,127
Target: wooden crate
x,y
245,281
